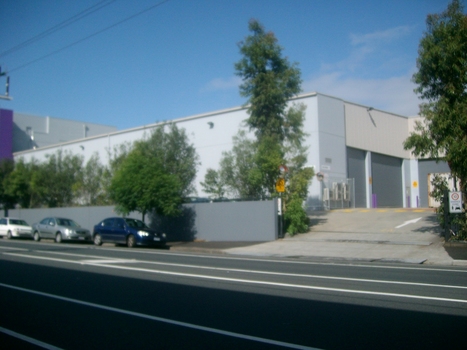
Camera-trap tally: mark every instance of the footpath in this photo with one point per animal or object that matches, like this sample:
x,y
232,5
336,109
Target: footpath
x,y
368,235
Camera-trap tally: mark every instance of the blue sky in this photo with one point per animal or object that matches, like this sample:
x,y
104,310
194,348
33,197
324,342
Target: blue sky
x,y
177,59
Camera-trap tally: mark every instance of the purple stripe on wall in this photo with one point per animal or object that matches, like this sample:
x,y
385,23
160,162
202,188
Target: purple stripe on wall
x,y
6,134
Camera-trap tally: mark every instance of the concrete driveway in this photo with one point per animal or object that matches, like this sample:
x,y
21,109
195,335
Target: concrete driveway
x,y
391,235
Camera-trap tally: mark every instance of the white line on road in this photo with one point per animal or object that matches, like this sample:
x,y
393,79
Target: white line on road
x,y
28,339
288,261
11,248
104,260
281,260
408,222
161,319
240,280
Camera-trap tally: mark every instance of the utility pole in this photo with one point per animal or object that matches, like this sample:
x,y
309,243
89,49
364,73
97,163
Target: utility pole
x,y
7,87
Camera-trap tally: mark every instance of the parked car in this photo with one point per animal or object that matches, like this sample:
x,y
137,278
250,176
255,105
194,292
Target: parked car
x,y
127,231
60,229
12,227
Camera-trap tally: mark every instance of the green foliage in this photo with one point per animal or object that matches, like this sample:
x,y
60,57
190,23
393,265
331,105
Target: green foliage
x,y
59,181
156,174
295,218
49,183
6,168
239,171
442,83
53,180
456,221
19,184
116,155
251,168
213,184
269,81
89,186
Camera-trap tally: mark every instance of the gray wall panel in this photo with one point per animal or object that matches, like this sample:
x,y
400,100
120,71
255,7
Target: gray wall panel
x,y
224,221
356,171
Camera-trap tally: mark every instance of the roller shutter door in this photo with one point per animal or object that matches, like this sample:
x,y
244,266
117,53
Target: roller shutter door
x,y
387,180
356,171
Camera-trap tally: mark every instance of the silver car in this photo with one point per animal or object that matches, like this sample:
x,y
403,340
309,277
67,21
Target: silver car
x,y
60,229
12,227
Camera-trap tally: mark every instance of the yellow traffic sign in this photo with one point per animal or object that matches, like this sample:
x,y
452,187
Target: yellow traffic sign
x,y
280,185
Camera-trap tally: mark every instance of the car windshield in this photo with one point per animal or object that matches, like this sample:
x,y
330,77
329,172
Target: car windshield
x,y
135,223
67,222
18,222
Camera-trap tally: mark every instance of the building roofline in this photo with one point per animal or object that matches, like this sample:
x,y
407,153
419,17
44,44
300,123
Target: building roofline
x,y
184,119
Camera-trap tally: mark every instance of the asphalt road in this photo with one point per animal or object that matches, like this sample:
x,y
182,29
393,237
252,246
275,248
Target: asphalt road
x,y
75,296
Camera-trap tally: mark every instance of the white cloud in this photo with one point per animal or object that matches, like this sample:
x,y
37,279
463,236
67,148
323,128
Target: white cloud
x,y
223,84
370,46
377,38
394,94
351,78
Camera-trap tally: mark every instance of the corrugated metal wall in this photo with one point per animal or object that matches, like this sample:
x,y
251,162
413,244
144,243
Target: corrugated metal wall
x,y
386,174
376,131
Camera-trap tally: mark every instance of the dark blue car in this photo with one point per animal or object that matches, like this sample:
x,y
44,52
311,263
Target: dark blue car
x,y
127,231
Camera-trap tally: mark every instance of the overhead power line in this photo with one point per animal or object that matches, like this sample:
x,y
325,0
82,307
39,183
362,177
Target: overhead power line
x,y
89,36
59,26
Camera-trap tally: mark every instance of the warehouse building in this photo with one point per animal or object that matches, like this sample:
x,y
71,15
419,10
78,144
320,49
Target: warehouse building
x,y
356,151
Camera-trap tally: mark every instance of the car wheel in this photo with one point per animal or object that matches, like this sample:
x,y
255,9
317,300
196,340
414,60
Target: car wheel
x,y
58,238
8,235
37,237
130,241
97,239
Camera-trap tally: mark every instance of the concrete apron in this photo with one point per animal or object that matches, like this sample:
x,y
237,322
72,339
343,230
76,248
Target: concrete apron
x,y
386,235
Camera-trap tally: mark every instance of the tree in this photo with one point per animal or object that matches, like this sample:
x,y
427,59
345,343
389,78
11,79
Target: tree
x,y
269,81
251,169
213,184
89,186
442,84
18,183
156,174
54,179
239,171
7,201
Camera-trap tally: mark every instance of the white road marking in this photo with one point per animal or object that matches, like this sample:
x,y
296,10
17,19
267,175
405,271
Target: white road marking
x,y
279,259
12,248
408,222
240,280
110,261
282,259
161,319
104,260
29,339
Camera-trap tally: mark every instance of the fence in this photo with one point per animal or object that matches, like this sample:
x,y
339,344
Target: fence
x,y
223,221
338,193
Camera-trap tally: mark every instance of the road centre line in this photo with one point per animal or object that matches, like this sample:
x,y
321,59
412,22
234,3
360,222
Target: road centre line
x,y
240,280
161,319
110,261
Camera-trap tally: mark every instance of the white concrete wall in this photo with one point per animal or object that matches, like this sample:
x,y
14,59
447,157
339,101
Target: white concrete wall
x,y
209,142
331,125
